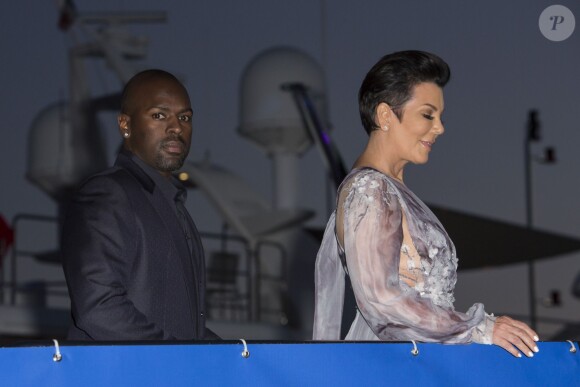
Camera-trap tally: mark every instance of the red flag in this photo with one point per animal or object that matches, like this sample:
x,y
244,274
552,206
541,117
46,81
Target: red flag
x,y
6,237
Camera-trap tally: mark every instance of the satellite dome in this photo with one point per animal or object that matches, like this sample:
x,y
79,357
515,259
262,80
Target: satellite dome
x,y
61,156
268,114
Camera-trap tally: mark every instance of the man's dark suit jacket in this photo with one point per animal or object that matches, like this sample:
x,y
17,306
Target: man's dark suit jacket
x,y
127,264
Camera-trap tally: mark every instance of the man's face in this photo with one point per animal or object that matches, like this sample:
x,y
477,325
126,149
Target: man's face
x,y
158,123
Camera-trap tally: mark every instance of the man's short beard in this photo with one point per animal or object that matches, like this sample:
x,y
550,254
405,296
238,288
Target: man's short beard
x,y
169,164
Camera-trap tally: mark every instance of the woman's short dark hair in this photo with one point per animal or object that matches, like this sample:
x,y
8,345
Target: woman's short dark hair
x,y
392,79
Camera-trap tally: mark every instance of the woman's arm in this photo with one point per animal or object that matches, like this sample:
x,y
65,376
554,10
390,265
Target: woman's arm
x,y
373,234
371,231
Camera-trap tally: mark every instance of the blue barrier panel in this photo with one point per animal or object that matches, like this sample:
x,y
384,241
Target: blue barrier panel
x,y
288,364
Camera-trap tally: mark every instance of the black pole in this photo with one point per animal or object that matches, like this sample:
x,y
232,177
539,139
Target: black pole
x,y
531,135
318,131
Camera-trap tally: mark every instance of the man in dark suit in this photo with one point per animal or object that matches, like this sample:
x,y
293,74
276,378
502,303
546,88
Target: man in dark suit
x,y
132,257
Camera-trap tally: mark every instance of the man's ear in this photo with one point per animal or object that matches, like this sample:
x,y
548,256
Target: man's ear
x,y
383,116
124,128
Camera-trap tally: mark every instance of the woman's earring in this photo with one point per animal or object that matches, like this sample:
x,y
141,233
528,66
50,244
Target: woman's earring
x,y
386,128
126,134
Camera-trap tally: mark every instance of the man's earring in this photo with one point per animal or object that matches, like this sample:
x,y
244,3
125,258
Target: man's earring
x,y
126,134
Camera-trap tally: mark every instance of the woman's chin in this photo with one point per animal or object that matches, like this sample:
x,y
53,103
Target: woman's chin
x,y
421,161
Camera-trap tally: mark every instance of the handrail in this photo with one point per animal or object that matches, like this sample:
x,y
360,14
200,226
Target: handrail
x,y
16,252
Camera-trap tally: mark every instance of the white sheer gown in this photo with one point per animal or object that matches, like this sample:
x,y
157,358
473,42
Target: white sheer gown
x,y
402,266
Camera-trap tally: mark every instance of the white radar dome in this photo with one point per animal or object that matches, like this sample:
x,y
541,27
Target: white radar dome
x,y
60,156
268,115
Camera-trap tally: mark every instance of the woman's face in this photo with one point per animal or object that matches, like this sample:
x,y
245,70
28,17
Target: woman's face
x,y
414,135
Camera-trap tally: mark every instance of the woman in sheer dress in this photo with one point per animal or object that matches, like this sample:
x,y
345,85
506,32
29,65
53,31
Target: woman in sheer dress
x,y
398,257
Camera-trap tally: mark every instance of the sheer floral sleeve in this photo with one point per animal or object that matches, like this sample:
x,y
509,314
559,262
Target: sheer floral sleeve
x,y
370,225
